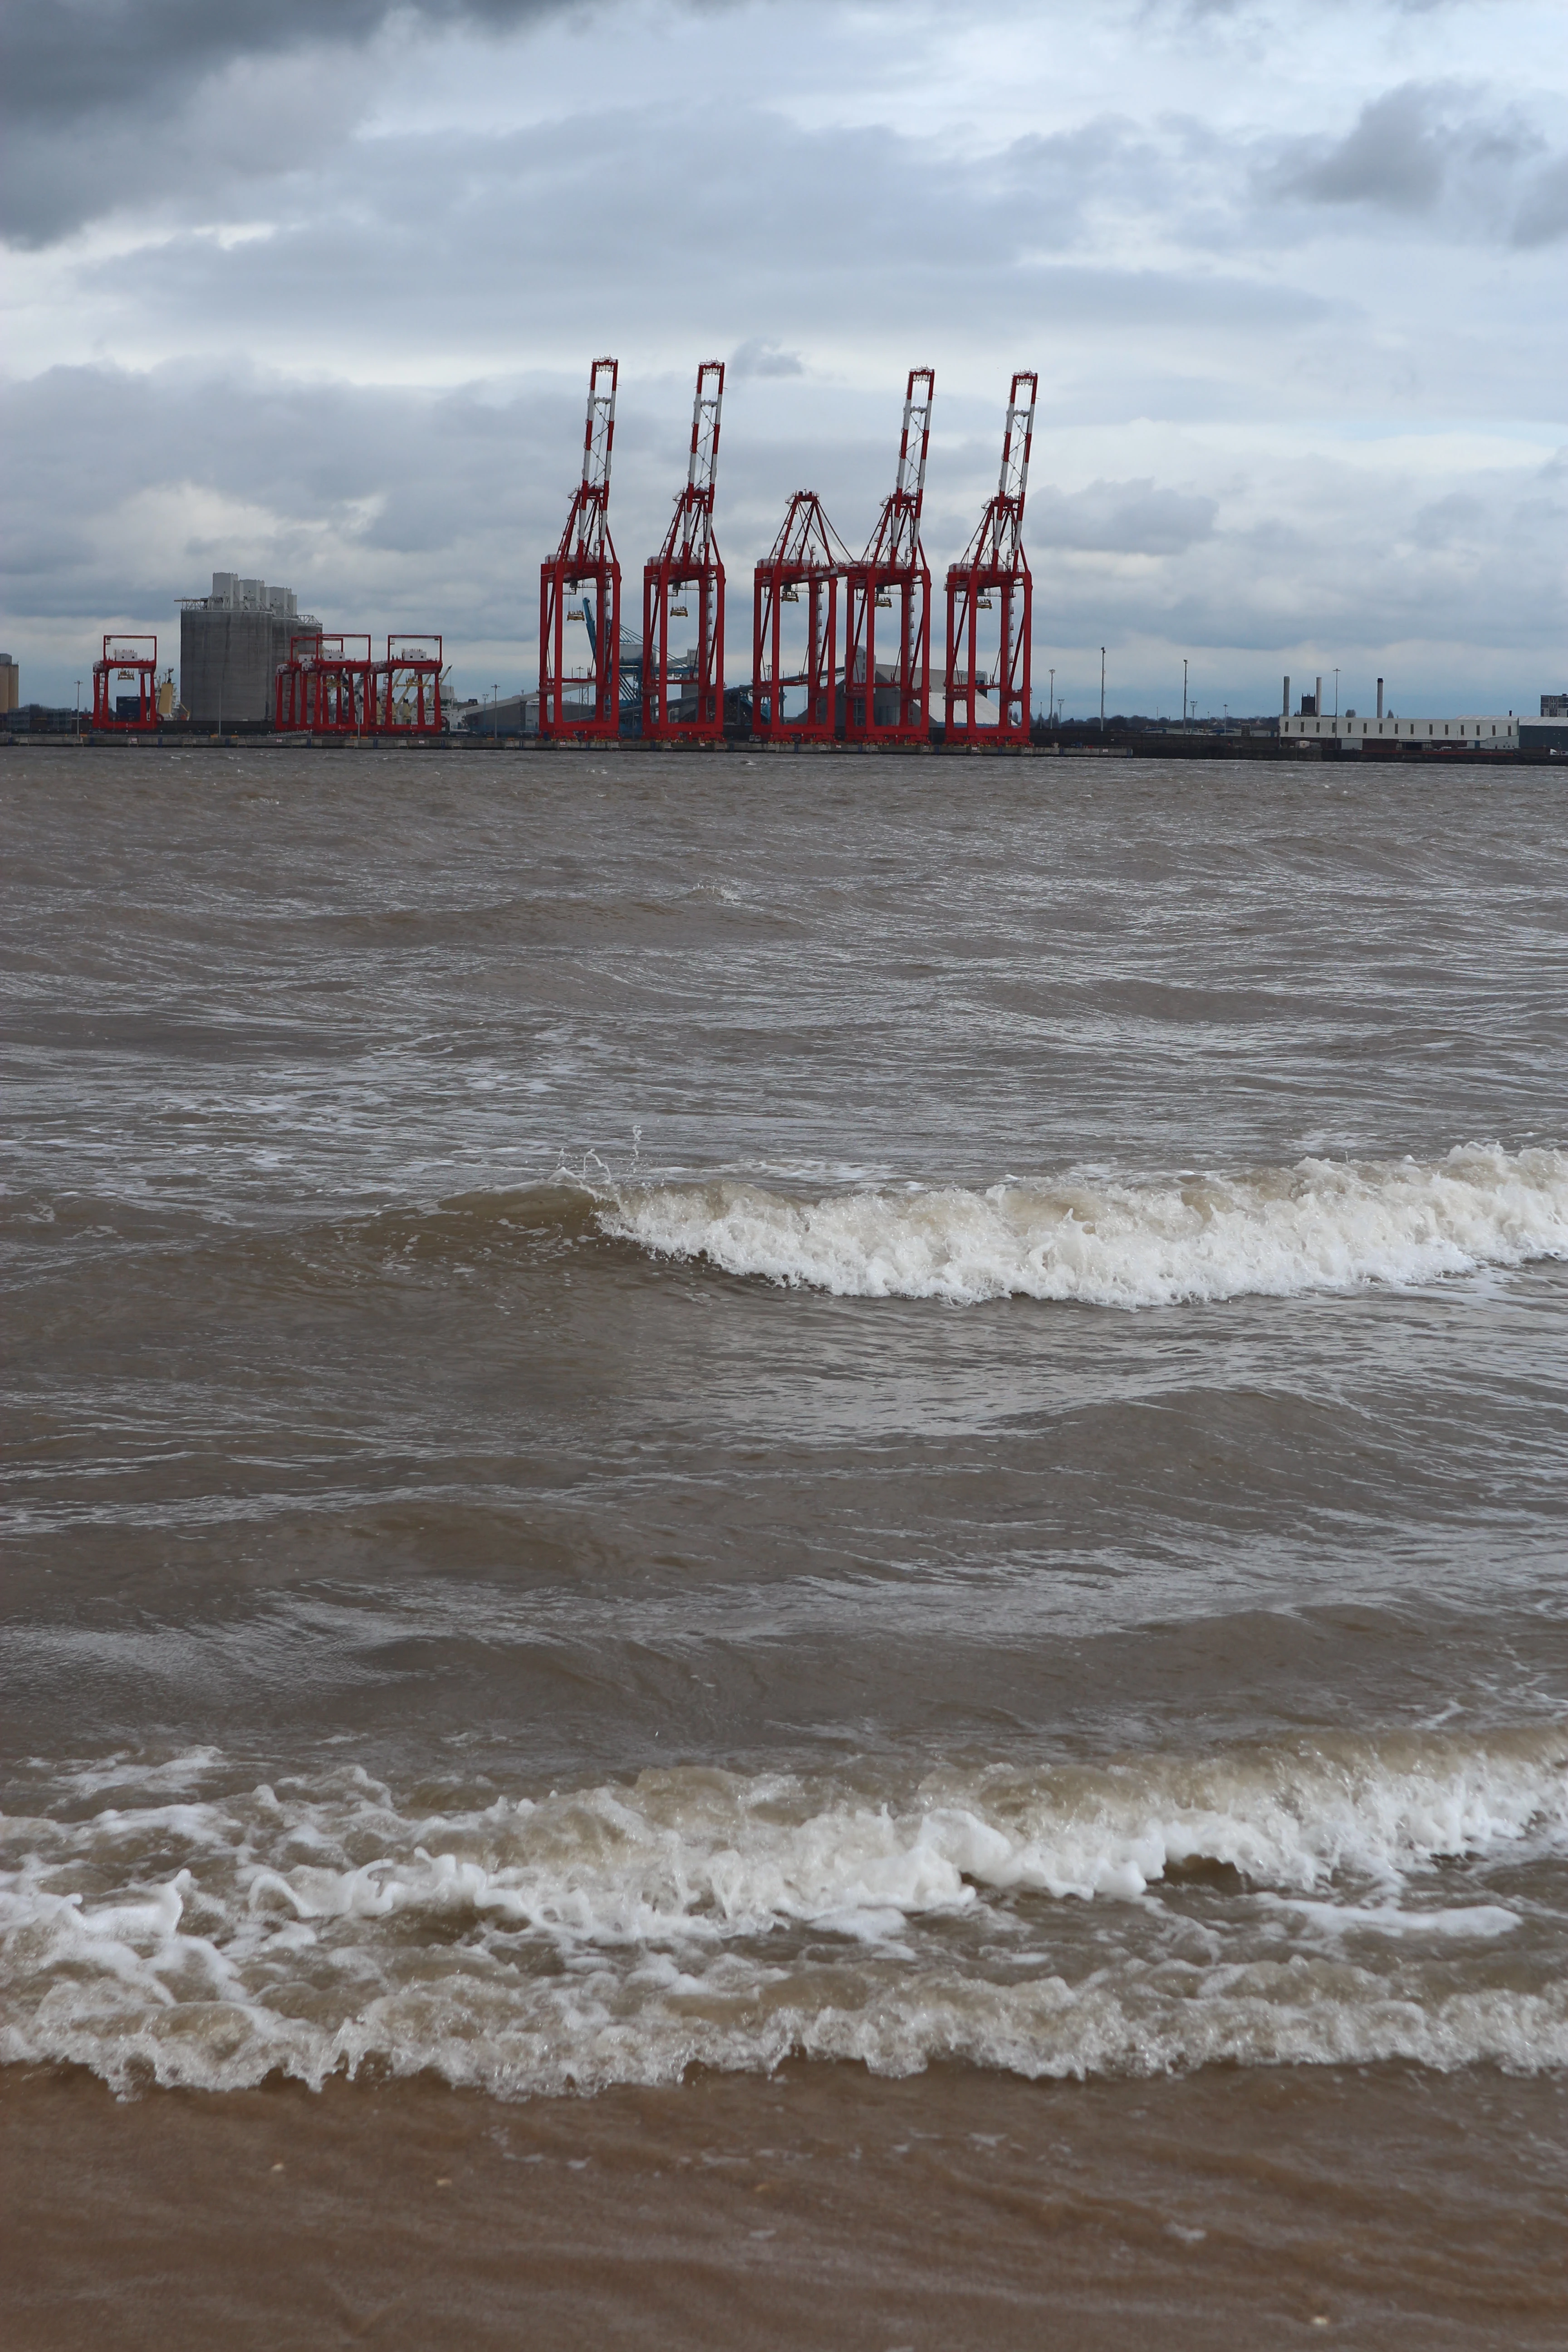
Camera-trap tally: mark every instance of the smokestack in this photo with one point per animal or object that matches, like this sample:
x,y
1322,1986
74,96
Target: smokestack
x,y
1318,699
1380,697
1285,706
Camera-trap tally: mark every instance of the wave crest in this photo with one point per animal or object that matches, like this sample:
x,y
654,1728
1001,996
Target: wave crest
x,y
1320,1226
1050,1921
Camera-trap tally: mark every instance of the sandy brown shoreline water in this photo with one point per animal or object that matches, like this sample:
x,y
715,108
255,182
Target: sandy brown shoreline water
x,y
872,1460
825,2211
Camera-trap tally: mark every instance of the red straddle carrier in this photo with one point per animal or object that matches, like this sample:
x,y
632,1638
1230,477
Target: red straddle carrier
x,y
580,588
327,685
127,661
886,664
987,691
406,692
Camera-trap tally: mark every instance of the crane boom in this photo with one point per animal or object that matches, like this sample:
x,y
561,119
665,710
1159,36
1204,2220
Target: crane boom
x,y
705,411
1002,527
599,430
918,398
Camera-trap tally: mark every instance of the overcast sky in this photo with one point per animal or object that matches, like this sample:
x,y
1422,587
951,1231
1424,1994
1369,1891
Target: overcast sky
x,y
309,291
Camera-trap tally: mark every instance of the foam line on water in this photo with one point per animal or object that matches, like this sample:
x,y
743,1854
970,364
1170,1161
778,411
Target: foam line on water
x,y
1260,1906
1319,1226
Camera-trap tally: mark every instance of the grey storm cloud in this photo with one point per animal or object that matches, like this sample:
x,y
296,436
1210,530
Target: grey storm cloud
x,y
1393,157
755,357
1121,518
1542,214
66,58
558,215
88,84
1425,149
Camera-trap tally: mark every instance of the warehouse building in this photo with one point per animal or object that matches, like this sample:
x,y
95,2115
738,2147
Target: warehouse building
x,y
232,644
1497,734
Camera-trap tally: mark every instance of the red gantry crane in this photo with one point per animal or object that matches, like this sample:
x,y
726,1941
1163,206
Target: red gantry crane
x,y
887,700
579,698
992,571
126,660
327,685
794,701
405,694
683,693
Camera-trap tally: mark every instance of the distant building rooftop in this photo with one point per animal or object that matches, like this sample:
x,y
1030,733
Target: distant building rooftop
x,y
233,594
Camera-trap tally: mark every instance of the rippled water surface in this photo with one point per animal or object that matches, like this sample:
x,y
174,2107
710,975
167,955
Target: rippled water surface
x,y
728,1410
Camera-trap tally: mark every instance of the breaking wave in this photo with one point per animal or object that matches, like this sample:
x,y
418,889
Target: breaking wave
x,y
1320,1226
1327,1900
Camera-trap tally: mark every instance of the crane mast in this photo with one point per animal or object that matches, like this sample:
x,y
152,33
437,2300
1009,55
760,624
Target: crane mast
x,y
794,685
683,691
887,697
582,699
993,574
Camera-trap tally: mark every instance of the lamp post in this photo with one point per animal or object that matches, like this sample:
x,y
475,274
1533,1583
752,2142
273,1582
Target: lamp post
x,y
1051,712
1336,694
495,714
1184,689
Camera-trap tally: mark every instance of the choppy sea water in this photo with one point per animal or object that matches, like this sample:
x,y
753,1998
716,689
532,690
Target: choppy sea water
x,y
700,1411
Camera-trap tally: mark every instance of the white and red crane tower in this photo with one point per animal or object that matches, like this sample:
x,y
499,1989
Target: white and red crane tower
x,y
580,586
993,574
683,668
886,664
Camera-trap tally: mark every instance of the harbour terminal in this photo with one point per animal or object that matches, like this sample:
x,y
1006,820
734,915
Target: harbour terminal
x,y
842,655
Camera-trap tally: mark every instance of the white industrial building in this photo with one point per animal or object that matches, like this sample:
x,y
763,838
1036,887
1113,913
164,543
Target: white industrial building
x,y
1351,733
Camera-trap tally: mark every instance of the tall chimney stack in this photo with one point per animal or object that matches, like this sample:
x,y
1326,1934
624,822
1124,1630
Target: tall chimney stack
x,y
1318,698
1285,706
1380,697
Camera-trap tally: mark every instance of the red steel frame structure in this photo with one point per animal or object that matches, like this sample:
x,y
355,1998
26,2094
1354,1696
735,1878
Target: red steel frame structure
x,y
890,702
994,567
323,688
683,697
406,690
807,553
585,705
121,659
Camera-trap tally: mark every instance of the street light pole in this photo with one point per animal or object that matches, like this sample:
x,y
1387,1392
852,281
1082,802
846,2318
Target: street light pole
x,y
1184,689
1336,694
1051,714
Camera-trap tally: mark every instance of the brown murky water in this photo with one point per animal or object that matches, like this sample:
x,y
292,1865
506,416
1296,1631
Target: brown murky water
x,y
681,1428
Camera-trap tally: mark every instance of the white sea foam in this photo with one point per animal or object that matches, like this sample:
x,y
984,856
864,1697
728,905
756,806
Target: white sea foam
x,y
1320,1226
1262,1905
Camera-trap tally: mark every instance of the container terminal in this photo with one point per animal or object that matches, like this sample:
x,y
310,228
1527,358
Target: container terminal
x,y
840,643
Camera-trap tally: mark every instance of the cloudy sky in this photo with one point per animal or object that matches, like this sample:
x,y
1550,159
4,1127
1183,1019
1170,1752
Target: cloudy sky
x,y
309,289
